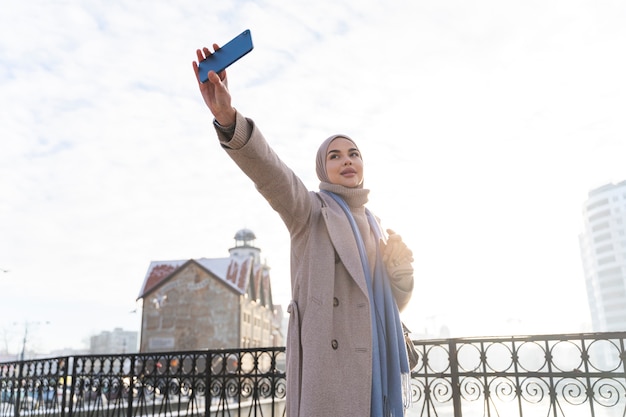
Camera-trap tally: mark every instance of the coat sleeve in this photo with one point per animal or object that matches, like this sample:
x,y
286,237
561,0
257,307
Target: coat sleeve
x,y
278,184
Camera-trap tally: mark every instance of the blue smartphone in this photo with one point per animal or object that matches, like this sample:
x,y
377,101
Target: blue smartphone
x,y
226,55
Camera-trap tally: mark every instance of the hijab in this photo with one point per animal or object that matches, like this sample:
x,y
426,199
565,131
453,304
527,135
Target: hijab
x,y
355,197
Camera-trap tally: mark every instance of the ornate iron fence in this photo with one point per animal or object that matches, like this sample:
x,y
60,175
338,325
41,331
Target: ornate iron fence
x,y
553,375
230,382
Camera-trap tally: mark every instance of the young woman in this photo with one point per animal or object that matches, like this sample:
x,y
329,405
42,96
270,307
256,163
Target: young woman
x,y
345,352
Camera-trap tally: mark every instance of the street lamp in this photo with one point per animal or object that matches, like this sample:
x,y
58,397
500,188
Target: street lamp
x,y
26,324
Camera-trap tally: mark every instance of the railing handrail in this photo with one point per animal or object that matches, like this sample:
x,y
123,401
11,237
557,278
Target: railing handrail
x,y
552,375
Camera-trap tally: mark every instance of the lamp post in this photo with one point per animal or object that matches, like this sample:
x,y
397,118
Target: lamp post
x,y
25,338
24,342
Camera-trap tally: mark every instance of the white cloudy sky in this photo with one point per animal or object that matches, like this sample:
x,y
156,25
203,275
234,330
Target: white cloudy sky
x,y
483,125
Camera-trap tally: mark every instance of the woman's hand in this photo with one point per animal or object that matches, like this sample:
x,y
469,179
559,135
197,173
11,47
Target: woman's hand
x,y
215,91
395,251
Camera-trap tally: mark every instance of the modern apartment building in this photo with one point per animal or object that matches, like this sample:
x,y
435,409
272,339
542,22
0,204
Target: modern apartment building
x,y
603,252
115,342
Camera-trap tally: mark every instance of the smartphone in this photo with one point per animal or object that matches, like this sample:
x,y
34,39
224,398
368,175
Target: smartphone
x,y
226,55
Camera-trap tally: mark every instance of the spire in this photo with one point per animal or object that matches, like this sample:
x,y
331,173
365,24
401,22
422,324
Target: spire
x,y
244,246
244,237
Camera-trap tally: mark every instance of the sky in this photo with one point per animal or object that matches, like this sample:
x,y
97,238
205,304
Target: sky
x,y
483,126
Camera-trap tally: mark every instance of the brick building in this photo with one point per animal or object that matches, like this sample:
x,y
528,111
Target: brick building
x,y
212,303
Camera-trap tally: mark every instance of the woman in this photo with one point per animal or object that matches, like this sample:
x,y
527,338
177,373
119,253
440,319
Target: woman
x,y
344,357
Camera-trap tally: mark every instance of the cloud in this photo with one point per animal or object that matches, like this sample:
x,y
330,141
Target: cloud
x,y
483,126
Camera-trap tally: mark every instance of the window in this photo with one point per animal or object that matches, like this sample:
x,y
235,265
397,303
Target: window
x,y
602,237
598,203
615,272
600,215
606,260
604,249
600,226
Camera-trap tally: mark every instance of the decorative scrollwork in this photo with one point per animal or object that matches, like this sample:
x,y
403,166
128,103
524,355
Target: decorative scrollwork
x,y
436,359
531,356
503,389
440,390
498,357
504,375
417,391
280,389
471,389
247,388
469,357
216,388
572,391
533,390
605,355
608,392
232,388
566,355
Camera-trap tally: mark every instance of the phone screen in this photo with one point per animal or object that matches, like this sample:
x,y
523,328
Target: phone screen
x,y
226,55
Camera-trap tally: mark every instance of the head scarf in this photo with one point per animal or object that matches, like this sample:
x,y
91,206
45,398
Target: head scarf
x,y
320,163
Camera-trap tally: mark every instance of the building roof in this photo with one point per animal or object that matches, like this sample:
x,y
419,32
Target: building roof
x,y
238,272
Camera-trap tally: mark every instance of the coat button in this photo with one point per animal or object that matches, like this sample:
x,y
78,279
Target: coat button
x,y
335,302
334,344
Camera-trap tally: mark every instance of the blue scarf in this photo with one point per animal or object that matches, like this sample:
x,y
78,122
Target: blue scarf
x,y
390,367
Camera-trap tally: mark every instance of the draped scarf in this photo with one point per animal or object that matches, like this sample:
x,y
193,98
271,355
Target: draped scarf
x,y
390,367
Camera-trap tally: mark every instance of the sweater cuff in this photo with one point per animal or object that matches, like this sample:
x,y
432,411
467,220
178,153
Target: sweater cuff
x,y
238,136
224,129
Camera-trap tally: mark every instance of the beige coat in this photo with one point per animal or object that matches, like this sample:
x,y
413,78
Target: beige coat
x,y
329,356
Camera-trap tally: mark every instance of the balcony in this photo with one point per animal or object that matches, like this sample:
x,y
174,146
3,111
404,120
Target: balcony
x,y
549,375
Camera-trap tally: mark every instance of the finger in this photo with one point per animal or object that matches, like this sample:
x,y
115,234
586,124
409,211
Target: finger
x,y
196,70
397,251
206,52
393,258
395,255
391,251
214,78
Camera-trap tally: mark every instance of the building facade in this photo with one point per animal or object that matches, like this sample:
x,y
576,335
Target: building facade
x,y
603,252
118,341
212,303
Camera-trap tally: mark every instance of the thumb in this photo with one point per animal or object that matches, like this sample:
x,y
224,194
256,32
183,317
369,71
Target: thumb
x,y
214,78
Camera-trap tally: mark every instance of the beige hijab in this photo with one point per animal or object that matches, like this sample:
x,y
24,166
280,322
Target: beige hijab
x,y
320,163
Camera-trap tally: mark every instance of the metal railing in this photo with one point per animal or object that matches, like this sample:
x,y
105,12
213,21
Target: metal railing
x,y
231,382
549,375
567,375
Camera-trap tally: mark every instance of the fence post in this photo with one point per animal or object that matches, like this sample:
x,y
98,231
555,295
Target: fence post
x,y
64,378
73,382
454,378
18,394
131,385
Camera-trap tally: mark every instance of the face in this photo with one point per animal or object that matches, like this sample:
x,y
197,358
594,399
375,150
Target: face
x,y
344,165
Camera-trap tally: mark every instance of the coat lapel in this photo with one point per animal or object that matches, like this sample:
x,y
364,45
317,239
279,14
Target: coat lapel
x,y
343,240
